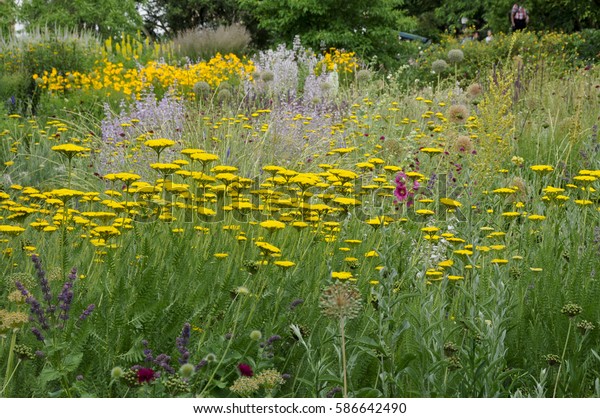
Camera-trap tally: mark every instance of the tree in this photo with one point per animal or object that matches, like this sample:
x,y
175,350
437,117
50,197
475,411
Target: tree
x,y
171,17
8,14
562,15
112,17
368,27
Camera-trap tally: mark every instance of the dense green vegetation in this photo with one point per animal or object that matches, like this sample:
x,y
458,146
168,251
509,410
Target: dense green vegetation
x,y
297,221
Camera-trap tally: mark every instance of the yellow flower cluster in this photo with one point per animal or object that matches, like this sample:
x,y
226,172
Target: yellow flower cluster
x,y
343,62
116,77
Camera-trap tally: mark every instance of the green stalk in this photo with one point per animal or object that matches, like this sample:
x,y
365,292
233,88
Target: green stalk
x,y
344,371
562,358
9,365
222,357
70,170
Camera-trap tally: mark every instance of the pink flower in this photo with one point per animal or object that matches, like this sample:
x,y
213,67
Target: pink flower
x,y
400,178
401,193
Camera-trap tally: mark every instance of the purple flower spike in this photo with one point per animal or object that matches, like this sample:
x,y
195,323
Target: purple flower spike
x,y
182,342
88,311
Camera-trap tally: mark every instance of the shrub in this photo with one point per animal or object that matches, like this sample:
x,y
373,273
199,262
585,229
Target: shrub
x,y
203,43
588,45
554,50
42,50
11,88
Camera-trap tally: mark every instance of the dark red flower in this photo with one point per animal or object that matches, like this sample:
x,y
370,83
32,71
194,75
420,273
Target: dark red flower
x,y
245,370
145,375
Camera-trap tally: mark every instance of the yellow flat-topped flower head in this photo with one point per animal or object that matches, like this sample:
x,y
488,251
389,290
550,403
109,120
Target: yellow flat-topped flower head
x,y
127,178
11,229
161,143
105,232
65,193
272,225
204,157
451,203
158,145
165,168
341,275
267,248
284,264
542,169
69,150
432,150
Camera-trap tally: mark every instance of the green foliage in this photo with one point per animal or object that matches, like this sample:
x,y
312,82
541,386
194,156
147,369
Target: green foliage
x,y
588,45
42,50
367,28
435,16
113,18
553,51
496,331
174,17
565,15
8,14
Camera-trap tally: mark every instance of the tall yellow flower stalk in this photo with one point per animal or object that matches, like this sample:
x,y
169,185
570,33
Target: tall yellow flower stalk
x,y
495,125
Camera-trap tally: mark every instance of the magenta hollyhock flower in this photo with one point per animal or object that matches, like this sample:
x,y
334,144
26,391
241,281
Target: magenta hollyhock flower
x,y
245,370
145,375
400,193
400,178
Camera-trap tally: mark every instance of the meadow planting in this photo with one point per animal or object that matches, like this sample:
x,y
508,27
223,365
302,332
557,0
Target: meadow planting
x,y
294,223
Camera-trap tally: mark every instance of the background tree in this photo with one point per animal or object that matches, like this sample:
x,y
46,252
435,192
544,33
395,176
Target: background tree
x,y
427,23
110,17
367,27
167,17
8,13
563,15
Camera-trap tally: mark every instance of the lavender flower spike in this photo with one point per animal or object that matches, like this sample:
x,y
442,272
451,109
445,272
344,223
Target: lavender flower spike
x,y
38,334
182,342
66,295
41,274
88,311
35,308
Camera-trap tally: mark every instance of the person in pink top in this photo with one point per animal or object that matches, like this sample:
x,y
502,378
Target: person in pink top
x,y
519,18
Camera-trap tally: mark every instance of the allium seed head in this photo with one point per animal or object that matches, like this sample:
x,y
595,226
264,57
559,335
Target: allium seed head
x,y
455,55
439,66
341,300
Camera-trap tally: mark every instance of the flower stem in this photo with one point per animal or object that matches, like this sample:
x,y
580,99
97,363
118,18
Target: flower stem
x,y
222,357
9,364
562,358
69,173
343,336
